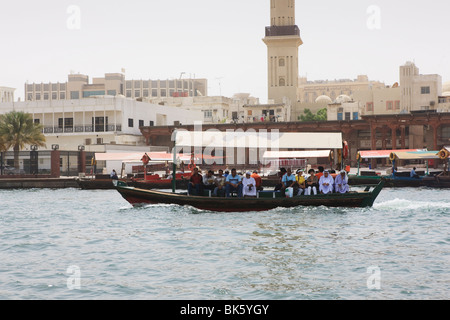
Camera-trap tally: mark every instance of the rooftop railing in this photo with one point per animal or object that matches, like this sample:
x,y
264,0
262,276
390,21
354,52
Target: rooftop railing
x,y
82,129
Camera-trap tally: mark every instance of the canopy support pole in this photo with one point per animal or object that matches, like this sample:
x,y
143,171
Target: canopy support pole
x,y
174,164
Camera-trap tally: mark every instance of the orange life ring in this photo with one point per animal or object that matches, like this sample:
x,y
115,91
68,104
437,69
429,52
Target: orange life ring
x,y
346,150
443,154
392,156
145,159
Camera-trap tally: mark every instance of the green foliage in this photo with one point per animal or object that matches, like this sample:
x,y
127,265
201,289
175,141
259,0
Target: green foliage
x,y
309,116
17,129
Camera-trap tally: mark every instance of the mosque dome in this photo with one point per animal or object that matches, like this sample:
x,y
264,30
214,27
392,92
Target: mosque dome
x,y
343,98
323,98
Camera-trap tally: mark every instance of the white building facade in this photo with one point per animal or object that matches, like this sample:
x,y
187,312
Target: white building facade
x,y
96,122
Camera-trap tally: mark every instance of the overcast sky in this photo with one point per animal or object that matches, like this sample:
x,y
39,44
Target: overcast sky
x,y
218,40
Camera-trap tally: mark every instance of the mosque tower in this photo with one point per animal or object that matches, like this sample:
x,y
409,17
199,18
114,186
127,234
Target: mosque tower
x,y
282,40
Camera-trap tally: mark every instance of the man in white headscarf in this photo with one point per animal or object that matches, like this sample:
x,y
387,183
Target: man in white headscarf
x,y
249,185
326,183
341,183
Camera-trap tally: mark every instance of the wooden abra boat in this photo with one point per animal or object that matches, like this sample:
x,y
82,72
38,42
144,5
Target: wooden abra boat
x,y
265,201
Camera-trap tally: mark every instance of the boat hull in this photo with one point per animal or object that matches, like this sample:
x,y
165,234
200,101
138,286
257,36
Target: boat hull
x,y
401,182
139,197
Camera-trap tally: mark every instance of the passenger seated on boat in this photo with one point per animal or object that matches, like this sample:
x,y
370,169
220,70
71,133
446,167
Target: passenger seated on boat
x,y
413,174
209,181
114,175
288,181
219,183
326,183
248,185
300,182
341,183
233,183
279,185
312,183
258,180
320,173
195,183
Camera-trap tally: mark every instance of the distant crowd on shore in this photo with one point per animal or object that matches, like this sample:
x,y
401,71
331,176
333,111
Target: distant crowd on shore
x,y
226,184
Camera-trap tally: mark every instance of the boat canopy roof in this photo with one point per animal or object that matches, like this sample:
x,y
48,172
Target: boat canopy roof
x,y
154,156
414,155
297,154
382,154
263,139
137,156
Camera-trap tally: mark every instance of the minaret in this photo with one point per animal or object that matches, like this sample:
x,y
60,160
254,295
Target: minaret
x,y
282,40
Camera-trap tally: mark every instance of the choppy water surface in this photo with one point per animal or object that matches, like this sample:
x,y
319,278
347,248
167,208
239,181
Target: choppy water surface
x,y
74,244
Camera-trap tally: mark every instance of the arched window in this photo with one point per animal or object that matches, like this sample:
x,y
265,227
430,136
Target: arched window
x,y
281,62
282,82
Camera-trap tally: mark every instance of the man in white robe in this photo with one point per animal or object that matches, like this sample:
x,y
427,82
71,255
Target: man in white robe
x,y
341,183
249,185
326,183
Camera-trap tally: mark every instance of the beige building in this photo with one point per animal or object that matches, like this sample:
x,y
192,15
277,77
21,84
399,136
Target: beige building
x,y
312,91
415,93
419,92
79,86
6,94
283,42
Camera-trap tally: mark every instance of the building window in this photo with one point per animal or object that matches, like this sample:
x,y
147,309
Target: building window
x,y
62,96
45,95
207,114
425,90
74,95
38,96
130,123
137,93
347,116
100,123
154,92
30,97
355,116
282,82
389,105
397,105
281,63
128,93
141,123
145,93
112,92
54,95
340,116
87,94
152,123
65,122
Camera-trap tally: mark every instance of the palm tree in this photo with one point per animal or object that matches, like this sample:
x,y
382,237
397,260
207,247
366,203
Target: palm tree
x,y
18,129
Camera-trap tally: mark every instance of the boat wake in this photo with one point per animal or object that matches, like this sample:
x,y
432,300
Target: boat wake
x,y
409,205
